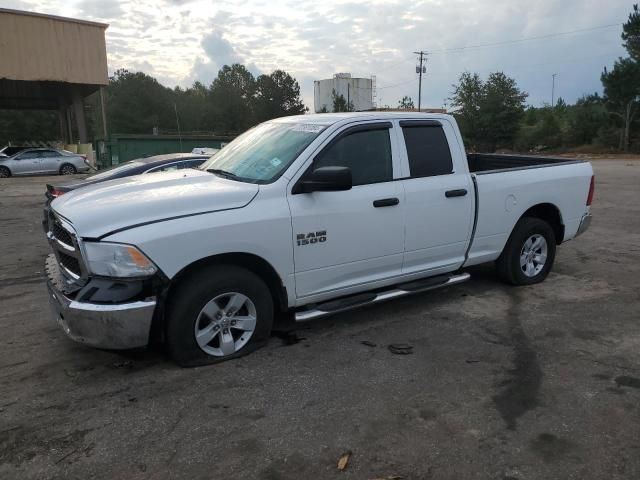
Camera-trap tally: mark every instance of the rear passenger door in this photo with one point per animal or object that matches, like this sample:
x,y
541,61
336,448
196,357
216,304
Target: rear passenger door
x,y
50,161
439,198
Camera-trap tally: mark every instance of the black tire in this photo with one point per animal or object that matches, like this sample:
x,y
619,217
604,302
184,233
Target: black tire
x,y
68,169
186,302
509,265
5,172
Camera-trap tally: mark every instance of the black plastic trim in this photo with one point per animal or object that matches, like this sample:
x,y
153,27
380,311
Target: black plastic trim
x,y
460,192
530,167
386,202
420,123
475,219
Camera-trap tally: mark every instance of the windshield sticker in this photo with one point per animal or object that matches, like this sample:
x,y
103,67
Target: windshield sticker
x,y
275,161
307,127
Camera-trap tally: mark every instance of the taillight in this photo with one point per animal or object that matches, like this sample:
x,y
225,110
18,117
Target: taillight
x,y
54,192
592,187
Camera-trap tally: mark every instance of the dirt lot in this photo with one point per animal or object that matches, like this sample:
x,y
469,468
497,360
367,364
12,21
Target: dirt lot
x,y
504,383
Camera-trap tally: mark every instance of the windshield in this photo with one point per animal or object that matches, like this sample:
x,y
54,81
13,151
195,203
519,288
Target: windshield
x,y
263,153
115,170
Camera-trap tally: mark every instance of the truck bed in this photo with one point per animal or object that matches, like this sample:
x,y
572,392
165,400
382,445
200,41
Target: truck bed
x,y
484,163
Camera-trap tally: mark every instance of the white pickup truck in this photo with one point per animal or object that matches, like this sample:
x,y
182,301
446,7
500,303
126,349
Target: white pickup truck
x,y
307,215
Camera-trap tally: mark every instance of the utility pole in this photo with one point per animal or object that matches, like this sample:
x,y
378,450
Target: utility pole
x,y
553,87
420,70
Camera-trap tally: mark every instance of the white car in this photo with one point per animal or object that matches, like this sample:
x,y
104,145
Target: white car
x,y
306,215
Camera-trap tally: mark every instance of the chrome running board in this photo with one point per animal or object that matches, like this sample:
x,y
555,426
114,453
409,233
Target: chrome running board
x,y
360,300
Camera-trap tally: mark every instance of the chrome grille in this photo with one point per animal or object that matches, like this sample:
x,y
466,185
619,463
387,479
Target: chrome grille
x,y
66,247
70,264
61,234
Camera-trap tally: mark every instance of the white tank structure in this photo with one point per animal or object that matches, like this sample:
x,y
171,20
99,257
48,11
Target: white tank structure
x,y
358,91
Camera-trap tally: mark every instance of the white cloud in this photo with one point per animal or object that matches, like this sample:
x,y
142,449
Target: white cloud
x,y
185,40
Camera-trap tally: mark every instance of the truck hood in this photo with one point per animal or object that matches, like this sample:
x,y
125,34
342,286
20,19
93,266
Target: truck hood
x,y
123,203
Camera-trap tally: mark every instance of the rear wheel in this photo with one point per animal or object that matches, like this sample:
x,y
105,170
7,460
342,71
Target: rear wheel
x,y
5,172
529,253
218,314
67,169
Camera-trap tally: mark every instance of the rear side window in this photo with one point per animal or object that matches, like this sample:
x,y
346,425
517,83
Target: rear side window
x,y
428,151
166,168
191,163
367,153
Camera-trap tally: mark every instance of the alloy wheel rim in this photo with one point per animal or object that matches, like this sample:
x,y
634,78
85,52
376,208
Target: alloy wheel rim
x,y
67,170
225,324
533,255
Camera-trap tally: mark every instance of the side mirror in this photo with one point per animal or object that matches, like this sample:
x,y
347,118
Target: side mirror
x,y
325,179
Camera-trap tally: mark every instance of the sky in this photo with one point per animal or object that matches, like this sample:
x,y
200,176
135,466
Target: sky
x,y
181,41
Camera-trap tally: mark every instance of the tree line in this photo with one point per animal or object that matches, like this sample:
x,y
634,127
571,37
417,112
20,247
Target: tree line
x,y
137,103
492,113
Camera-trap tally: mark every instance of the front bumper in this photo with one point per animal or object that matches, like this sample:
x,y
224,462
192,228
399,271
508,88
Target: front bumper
x,y
111,326
585,222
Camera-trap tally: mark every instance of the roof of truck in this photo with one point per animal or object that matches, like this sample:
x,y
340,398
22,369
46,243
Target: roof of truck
x,y
331,118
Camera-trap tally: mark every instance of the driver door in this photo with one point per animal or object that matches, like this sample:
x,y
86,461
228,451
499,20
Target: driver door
x,y
346,240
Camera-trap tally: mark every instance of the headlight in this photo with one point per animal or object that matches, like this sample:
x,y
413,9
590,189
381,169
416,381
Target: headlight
x,y
117,260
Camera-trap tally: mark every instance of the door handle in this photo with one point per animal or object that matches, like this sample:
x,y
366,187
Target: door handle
x,y
461,192
386,202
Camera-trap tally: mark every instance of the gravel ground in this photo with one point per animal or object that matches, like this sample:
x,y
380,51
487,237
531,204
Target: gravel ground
x,y
538,382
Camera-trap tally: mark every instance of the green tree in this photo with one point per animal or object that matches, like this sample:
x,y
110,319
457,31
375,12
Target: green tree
x,y
19,126
136,103
231,94
622,83
631,34
277,95
501,110
489,113
466,99
585,119
622,95
340,103
191,104
406,103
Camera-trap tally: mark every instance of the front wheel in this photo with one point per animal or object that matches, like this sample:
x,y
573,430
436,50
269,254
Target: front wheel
x,y
220,313
529,253
4,172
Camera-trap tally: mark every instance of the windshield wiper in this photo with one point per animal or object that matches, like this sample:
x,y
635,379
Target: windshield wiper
x,y
223,173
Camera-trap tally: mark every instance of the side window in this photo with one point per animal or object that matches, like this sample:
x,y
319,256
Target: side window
x,y
167,168
164,168
48,154
428,151
25,156
367,153
190,164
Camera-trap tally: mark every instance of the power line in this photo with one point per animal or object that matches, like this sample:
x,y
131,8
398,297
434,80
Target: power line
x,y
526,39
389,67
397,84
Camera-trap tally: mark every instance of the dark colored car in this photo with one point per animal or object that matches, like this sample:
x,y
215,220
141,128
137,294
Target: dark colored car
x,y
158,163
